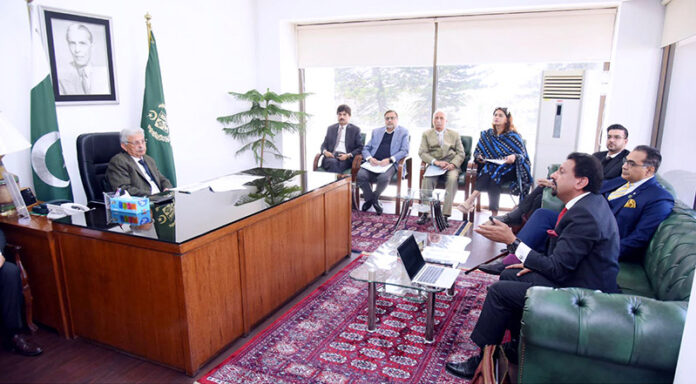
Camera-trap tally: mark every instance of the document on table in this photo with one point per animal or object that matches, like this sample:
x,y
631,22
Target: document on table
x,y
221,184
444,256
434,170
375,168
496,161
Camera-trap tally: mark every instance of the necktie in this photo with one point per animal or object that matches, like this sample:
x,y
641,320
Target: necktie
x,y
560,216
147,170
606,160
618,192
85,80
441,139
338,137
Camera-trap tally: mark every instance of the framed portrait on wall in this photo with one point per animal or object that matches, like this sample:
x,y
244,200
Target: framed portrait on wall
x,y
80,54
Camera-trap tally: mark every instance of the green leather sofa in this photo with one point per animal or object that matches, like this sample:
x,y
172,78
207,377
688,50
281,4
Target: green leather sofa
x,y
575,335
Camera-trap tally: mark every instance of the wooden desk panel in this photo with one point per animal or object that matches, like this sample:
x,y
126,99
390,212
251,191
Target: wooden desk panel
x,y
281,256
337,225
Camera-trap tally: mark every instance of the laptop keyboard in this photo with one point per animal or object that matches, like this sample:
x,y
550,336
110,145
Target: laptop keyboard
x,y
431,274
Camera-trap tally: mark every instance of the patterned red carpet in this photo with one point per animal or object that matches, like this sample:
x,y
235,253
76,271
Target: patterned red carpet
x,y
370,230
324,338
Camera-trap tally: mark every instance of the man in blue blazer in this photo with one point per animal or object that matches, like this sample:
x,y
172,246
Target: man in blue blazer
x,y
583,252
638,201
387,146
341,143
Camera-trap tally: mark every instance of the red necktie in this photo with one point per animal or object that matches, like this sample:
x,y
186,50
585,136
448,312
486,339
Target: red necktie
x,y
560,215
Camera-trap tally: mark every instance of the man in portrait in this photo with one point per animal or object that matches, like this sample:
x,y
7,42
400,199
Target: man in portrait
x,y
80,76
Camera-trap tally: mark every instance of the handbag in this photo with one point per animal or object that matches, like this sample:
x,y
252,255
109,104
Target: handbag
x,y
493,365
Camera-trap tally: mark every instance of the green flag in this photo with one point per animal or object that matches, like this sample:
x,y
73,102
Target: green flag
x,y
51,180
154,121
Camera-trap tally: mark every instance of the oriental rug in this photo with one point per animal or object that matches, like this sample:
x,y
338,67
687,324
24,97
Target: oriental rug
x,y
324,338
369,230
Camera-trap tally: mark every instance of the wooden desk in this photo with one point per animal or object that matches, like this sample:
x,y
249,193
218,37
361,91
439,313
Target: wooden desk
x,y
42,263
181,303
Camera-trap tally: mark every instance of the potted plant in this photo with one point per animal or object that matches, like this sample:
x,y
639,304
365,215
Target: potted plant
x,y
259,125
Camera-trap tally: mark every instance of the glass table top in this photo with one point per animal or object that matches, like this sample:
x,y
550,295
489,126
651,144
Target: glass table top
x,y
179,217
384,265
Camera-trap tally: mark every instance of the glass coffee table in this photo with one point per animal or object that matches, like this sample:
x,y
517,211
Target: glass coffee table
x,y
384,267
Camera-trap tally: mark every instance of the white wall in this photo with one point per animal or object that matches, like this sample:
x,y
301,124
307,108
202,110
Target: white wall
x,y
680,130
206,49
635,69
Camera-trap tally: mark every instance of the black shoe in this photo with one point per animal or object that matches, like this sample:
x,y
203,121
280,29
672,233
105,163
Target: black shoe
x,y
495,268
446,220
366,205
21,345
510,350
509,220
378,207
465,369
423,219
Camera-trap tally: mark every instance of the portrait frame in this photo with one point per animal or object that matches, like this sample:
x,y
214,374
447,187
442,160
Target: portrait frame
x,y
80,55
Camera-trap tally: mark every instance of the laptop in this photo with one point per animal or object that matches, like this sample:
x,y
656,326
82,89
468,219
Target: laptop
x,y
421,273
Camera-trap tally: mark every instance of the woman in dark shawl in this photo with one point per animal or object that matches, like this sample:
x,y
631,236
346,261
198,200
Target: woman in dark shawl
x,y
501,142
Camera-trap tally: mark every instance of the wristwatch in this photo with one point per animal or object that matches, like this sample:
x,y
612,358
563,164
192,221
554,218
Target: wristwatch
x,y
512,247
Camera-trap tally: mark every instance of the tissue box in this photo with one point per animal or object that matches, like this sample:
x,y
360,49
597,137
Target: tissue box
x,y
129,205
131,218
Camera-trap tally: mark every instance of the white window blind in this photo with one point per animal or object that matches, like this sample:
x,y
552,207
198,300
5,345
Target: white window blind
x,y
680,21
567,36
388,43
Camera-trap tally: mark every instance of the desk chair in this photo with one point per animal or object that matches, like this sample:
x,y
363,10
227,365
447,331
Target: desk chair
x,y
94,151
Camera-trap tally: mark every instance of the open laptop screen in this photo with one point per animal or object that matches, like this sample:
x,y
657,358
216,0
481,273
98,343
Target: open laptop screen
x,y
411,256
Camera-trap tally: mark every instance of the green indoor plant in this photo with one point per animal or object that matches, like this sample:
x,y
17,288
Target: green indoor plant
x,y
259,125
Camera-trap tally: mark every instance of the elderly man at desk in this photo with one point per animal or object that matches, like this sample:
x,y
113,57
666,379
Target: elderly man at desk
x,y
133,170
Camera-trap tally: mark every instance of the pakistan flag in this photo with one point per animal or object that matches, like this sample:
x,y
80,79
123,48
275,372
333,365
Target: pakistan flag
x,y
154,120
51,179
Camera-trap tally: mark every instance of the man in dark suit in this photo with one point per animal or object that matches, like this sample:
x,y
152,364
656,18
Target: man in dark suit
x,y
133,170
611,159
341,143
387,146
10,308
583,252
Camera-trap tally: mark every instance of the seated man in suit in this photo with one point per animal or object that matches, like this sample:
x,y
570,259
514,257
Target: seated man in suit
x,y
133,170
583,252
341,143
441,147
11,308
612,160
387,146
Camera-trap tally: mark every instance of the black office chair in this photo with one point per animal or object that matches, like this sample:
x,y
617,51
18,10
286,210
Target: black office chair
x,y
94,150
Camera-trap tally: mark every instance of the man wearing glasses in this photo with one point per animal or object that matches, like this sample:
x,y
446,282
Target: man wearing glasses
x,y
133,170
638,202
387,146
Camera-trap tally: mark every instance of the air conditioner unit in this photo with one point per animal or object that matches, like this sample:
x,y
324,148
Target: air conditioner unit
x,y
567,119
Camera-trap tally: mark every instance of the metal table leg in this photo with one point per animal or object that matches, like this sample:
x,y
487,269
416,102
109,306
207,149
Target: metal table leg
x,y
430,317
371,304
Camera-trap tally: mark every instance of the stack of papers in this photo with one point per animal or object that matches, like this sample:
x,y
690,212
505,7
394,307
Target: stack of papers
x,y
221,184
444,256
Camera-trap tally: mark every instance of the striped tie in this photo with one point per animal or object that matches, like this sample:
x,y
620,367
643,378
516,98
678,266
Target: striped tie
x,y
618,192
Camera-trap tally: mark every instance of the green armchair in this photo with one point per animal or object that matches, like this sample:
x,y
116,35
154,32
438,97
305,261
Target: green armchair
x,y
575,335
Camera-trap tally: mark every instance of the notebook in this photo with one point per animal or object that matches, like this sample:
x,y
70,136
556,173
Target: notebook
x,y
421,273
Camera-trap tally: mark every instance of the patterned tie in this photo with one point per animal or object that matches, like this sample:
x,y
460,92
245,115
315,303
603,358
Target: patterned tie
x,y
85,80
147,170
338,137
560,216
622,190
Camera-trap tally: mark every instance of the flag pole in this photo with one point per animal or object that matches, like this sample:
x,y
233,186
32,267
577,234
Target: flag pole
x,y
149,28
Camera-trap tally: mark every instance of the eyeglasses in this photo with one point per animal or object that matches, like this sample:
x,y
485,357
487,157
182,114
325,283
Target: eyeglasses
x,y
138,142
632,163
390,118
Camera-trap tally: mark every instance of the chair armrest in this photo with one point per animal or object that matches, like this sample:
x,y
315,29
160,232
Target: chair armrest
x,y
12,252
355,167
408,163
624,329
423,166
316,161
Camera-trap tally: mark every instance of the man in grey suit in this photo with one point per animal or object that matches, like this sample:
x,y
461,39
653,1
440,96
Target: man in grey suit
x,y
342,142
387,146
441,147
133,170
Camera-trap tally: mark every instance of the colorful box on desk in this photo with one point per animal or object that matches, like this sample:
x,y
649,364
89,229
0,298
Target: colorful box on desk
x,y
131,218
129,205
